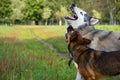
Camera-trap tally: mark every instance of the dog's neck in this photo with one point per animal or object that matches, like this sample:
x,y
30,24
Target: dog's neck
x,y
84,29
73,46
77,51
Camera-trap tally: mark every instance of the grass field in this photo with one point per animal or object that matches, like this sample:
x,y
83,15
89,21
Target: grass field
x,y
23,57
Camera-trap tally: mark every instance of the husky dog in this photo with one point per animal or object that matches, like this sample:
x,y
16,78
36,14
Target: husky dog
x,y
101,40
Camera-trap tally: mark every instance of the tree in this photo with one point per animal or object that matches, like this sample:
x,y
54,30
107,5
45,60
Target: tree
x,y
33,10
107,9
17,7
5,10
86,5
46,14
60,14
112,11
118,10
96,14
64,11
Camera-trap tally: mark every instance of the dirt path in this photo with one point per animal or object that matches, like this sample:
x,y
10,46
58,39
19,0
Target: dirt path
x,y
62,55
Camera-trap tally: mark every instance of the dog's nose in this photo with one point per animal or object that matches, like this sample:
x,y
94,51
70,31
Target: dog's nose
x,y
73,5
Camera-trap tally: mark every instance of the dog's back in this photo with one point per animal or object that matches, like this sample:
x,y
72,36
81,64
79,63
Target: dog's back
x,y
104,40
107,63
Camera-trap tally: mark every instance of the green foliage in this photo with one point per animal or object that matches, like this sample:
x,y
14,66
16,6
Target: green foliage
x,y
96,14
33,10
108,9
46,13
54,10
59,14
118,15
5,10
63,11
17,7
118,10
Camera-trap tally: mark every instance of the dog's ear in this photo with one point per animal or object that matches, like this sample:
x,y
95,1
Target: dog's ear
x,y
70,28
93,21
72,36
86,41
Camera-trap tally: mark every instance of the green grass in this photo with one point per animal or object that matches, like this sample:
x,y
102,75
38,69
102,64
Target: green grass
x,y
114,28
54,35
22,57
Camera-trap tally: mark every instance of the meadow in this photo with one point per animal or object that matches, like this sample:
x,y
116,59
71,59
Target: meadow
x,y
24,57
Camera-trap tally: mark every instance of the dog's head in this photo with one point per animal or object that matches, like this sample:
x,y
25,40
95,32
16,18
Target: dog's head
x,y
74,36
80,17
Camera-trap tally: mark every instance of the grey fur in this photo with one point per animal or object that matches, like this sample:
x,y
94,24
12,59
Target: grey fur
x,y
101,40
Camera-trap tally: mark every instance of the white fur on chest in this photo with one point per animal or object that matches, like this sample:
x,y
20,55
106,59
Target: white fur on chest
x,y
78,76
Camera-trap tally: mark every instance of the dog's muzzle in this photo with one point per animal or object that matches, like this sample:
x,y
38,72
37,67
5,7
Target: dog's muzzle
x,y
73,5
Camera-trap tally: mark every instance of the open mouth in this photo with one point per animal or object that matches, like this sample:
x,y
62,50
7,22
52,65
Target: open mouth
x,y
74,17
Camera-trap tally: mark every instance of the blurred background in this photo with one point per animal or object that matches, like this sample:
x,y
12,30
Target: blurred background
x,y
52,12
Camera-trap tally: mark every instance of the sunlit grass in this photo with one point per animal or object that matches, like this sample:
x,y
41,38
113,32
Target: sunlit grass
x,y
22,57
114,28
54,35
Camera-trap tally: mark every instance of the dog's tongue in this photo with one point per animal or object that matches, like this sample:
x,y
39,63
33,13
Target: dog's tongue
x,y
68,17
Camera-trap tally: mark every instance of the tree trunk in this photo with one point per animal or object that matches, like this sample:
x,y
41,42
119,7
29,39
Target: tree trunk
x,y
60,22
111,21
65,22
115,8
46,22
36,22
112,17
13,22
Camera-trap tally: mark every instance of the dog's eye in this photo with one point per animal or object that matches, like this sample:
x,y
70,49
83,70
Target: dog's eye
x,y
81,13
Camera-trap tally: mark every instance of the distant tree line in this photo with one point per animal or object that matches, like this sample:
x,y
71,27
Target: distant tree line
x,y
52,11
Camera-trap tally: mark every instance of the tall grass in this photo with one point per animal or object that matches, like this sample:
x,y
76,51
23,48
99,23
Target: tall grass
x,y
22,57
